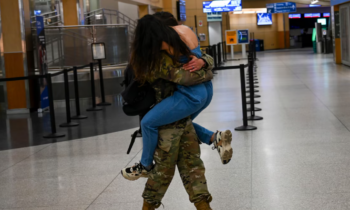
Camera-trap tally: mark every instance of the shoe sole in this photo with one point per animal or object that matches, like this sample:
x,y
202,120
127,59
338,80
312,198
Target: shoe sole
x,y
128,177
226,147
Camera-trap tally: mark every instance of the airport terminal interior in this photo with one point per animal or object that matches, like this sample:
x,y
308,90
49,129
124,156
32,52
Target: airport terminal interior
x,y
64,135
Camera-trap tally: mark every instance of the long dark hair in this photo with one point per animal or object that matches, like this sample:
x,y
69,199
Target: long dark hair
x,y
146,52
167,18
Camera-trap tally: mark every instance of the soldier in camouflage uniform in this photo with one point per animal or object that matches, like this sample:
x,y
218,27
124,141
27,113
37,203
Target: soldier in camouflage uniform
x,y
178,143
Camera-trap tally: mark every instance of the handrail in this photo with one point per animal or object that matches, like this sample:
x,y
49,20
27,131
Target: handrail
x,y
82,26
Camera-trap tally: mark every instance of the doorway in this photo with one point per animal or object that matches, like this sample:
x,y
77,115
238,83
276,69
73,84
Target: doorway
x,y
215,32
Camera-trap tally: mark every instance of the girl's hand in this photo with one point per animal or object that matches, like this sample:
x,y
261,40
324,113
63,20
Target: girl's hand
x,y
194,65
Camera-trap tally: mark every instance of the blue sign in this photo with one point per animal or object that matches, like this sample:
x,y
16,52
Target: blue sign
x,y
243,36
264,19
42,60
314,5
326,14
312,15
284,7
335,2
37,12
294,16
222,6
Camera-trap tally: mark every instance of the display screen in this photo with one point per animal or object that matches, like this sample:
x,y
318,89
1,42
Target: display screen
x,y
181,10
323,21
326,14
37,12
222,6
294,16
264,19
312,15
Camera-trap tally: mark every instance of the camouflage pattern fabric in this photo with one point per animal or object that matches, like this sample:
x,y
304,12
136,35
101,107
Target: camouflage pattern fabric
x,y
185,154
178,143
172,74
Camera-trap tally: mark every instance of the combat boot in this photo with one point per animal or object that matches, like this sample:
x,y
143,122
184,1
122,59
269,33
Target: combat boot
x,y
203,205
148,206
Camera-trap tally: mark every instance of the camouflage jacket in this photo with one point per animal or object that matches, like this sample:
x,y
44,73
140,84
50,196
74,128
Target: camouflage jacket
x,y
168,76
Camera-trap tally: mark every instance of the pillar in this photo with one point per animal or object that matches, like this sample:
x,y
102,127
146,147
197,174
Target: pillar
x,y
336,35
143,10
283,30
73,12
15,16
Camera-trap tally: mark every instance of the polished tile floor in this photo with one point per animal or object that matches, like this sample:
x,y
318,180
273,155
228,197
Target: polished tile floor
x,y
298,159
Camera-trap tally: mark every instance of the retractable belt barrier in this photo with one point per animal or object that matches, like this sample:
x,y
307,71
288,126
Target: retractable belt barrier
x,y
78,116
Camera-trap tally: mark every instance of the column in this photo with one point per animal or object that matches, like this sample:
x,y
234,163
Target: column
x,y
283,30
336,34
73,12
14,17
143,10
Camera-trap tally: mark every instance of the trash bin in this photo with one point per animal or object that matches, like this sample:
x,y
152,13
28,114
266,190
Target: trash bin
x,y
257,45
262,48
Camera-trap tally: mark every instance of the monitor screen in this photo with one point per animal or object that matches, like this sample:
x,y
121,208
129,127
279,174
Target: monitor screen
x,y
323,21
312,15
181,10
222,6
294,16
37,12
264,19
326,14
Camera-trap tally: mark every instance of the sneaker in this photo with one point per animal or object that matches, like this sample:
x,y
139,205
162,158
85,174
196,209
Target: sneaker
x,y
222,143
135,172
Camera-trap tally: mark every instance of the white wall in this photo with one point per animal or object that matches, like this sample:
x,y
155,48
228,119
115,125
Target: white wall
x,y
109,4
130,10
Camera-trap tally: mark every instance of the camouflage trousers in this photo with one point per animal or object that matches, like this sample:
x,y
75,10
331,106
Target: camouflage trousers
x,y
178,146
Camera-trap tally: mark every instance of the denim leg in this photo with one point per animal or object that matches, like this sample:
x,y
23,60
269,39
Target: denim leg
x,y
174,108
204,134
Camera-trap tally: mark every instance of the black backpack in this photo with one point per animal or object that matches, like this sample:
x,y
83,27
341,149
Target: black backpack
x,y
138,99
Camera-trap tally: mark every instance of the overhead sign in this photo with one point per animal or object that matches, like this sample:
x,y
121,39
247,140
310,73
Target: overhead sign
x,y
222,6
294,16
231,37
214,16
283,7
243,36
326,14
312,15
336,2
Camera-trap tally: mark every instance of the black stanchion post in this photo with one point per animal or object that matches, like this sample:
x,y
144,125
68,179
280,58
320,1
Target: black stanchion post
x,y
102,85
215,58
252,104
219,54
69,122
53,133
245,126
77,101
93,93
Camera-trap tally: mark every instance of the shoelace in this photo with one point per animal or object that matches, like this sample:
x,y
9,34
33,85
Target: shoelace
x,y
137,167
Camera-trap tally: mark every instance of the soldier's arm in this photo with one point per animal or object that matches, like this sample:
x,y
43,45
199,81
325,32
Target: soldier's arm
x,y
177,74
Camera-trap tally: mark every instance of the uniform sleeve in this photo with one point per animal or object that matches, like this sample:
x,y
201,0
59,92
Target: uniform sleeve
x,y
177,74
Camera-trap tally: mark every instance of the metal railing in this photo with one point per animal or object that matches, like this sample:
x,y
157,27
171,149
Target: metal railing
x,y
108,16
50,19
68,46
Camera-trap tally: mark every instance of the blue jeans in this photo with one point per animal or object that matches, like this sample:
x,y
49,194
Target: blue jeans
x,y
186,101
